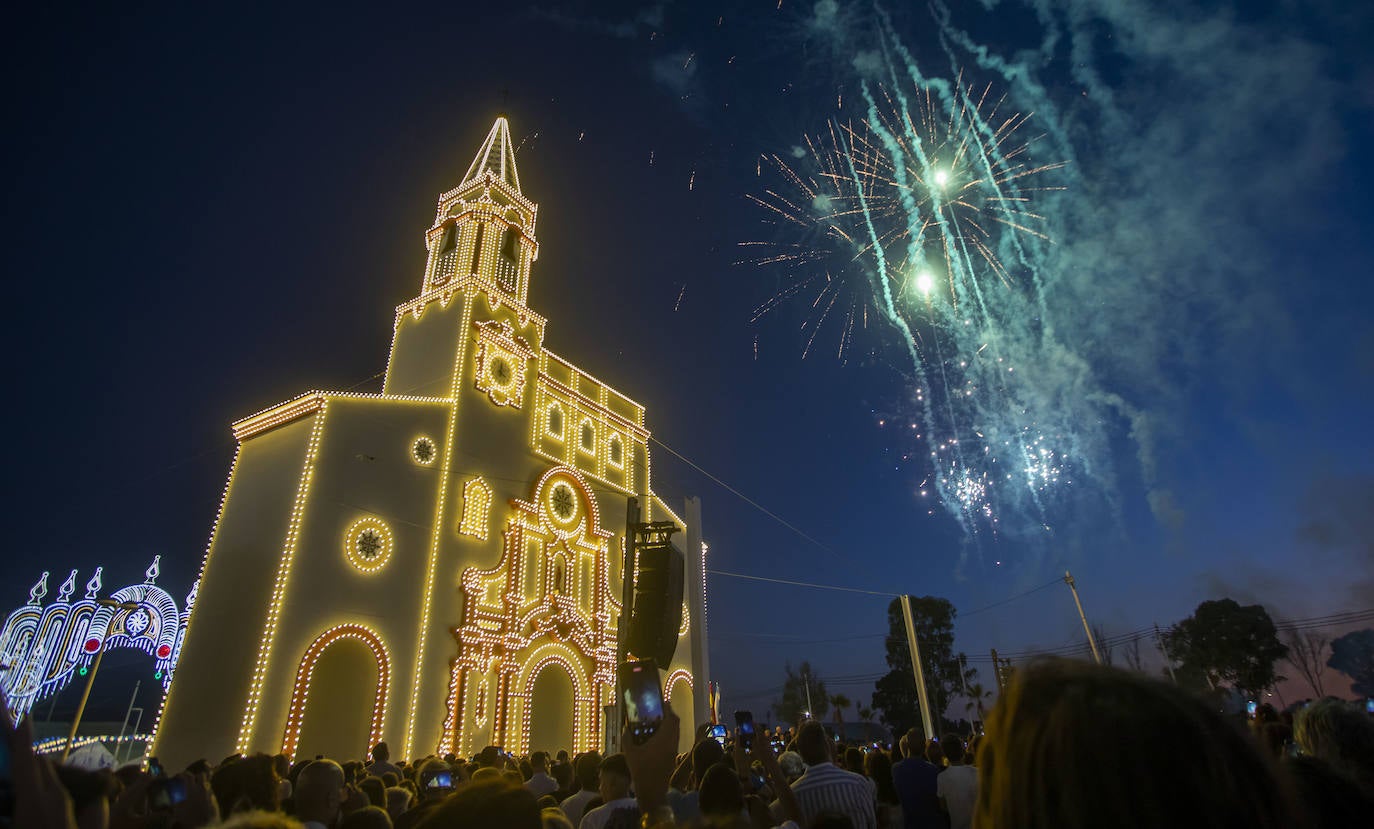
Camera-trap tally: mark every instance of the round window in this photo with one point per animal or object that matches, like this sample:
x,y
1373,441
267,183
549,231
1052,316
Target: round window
x,y
368,544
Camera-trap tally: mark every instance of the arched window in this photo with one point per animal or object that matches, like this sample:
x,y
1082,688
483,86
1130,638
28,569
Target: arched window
x,y
617,451
447,258
588,436
555,421
508,264
477,248
476,509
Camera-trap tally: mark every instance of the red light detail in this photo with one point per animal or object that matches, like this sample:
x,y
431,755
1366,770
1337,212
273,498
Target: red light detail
x,y
92,645
164,651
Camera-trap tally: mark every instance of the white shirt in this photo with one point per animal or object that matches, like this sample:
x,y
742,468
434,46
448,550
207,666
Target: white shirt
x,y
597,818
541,784
957,786
573,806
828,788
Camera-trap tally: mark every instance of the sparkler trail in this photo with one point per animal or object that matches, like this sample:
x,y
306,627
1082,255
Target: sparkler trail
x,y
922,209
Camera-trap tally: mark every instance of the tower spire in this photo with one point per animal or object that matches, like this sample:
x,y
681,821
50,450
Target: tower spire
x,y
497,156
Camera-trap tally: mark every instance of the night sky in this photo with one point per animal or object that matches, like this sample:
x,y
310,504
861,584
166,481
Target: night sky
x,y
211,210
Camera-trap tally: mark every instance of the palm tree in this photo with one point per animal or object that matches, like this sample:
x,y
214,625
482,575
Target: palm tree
x,y
976,696
839,702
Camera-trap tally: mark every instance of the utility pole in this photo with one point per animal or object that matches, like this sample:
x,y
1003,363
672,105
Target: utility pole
x,y
921,695
1092,642
90,680
1168,660
128,712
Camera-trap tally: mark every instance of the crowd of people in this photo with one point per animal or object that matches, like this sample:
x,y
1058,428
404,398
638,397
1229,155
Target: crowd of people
x,y
1068,746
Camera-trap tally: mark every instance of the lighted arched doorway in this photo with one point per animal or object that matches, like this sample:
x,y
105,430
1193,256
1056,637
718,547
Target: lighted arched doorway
x,y
678,691
552,713
339,700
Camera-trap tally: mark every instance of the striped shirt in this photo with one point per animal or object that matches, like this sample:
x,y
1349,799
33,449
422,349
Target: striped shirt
x,y
827,788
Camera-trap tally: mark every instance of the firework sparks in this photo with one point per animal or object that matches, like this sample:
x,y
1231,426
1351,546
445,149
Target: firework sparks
x,y
921,208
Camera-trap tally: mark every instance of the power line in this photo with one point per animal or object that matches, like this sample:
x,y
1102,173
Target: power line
x,y
802,583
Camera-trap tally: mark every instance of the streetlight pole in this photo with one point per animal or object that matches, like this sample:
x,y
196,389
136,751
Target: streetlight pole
x,y
1092,642
90,680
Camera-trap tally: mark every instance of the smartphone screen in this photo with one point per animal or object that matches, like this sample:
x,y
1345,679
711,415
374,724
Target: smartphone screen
x,y
1369,705
440,780
744,720
1251,707
643,698
166,792
155,767
719,733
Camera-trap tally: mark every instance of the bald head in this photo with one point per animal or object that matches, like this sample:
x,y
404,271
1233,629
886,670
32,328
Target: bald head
x,y
319,791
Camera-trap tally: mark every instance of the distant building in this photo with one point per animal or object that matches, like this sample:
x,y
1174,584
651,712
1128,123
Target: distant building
x,y
438,565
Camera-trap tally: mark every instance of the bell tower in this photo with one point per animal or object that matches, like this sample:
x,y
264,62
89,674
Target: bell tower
x,y
484,228
482,241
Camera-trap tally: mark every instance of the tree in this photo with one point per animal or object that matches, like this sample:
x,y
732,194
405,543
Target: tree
x,y
791,708
1224,642
976,695
1353,655
840,702
895,693
1305,652
865,713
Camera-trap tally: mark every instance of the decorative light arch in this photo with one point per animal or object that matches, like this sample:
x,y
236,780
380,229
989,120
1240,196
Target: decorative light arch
x,y
44,647
300,694
679,674
477,496
586,710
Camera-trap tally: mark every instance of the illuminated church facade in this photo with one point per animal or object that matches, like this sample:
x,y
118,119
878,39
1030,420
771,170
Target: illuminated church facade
x,y
438,565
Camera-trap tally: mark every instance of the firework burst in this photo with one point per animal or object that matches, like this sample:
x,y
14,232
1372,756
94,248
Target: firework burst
x,y
920,211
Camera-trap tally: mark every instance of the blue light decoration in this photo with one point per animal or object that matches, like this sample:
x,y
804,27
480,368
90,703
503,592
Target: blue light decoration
x,y
43,647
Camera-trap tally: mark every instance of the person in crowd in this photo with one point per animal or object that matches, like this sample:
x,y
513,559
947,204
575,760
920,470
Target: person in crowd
x,y
588,768
368,817
825,788
562,773
1073,745
792,766
381,761
493,802
615,793
682,796
432,791
320,792
1329,798
539,780
91,793
553,818
1343,736
374,789
242,784
971,752
916,781
854,760
957,786
398,801
721,800
258,819
281,766
878,768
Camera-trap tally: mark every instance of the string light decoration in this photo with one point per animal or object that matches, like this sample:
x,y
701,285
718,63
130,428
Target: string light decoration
x,y
368,544
300,692
550,601
680,675
423,451
515,628
476,509
269,634
45,646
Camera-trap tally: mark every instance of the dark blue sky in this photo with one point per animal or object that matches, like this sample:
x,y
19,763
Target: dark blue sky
x,y
208,212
